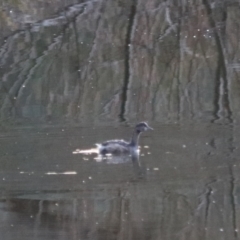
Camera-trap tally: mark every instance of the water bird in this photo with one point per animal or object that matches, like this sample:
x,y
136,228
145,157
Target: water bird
x,y
116,147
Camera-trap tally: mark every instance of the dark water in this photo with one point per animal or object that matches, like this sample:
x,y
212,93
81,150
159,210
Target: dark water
x,y
75,73
185,185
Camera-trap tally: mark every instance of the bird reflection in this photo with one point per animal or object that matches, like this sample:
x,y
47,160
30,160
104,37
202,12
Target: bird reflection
x,y
109,158
114,158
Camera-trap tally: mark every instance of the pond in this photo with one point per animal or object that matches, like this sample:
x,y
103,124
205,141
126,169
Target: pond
x,y
78,73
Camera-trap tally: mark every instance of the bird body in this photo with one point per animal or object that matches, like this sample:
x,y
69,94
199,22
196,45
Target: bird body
x,y
118,147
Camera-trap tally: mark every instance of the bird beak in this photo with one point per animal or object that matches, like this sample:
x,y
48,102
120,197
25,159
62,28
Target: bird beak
x,y
150,128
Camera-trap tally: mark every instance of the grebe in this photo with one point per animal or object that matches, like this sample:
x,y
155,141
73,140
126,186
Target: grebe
x,y
122,147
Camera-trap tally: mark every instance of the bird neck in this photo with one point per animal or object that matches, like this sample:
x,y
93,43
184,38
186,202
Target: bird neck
x,y
135,138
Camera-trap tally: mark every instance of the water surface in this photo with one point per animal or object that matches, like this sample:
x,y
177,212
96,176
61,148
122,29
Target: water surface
x,y
185,185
